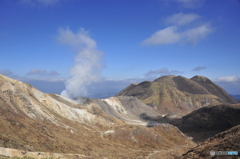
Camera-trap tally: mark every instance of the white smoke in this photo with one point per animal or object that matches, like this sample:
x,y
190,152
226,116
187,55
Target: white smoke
x,y
87,67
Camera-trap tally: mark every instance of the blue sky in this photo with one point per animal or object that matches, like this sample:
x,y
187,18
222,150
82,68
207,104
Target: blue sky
x,y
42,42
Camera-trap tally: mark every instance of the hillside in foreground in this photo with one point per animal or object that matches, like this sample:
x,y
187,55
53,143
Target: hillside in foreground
x,y
225,141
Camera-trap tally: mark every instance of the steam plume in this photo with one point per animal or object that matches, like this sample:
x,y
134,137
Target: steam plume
x,y
87,67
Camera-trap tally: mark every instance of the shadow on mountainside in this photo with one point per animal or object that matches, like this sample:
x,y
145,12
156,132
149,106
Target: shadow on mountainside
x,y
202,123
159,119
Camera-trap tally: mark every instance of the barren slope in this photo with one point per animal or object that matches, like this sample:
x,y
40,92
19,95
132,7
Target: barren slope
x,y
225,141
214,89
128,109
177,94
208,121
33,121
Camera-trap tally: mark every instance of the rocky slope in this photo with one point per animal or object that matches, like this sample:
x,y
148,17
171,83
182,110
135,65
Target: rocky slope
x,y
214,89
126,108
208,121
33,121
225,141
177,94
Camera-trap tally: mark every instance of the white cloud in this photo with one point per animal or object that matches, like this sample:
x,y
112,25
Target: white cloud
x,y
199,68
40,72
180,31
230,83
227,79
194,35
164,36
41,2
170,35
182,19
161,72
191,3
87,67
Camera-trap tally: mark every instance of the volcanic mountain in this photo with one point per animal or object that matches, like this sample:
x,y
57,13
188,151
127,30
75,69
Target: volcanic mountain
x,y
37,124
178,95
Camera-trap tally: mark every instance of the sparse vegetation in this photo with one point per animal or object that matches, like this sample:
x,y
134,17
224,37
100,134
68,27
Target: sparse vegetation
x,y
25,157
81,137
178,95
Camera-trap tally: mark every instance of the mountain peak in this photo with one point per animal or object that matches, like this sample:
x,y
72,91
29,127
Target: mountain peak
x,y
214,89
164,78
200,78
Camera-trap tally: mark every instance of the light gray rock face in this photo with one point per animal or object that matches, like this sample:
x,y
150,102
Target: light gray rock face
x,y
24,99
126,108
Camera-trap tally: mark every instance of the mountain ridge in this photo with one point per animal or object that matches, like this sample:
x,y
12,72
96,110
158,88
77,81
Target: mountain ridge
x,y
178,95
208,121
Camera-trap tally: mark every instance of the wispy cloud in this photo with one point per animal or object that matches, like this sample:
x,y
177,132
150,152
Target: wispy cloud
x,y
172,34
46,80
41,72
46,85
199,68
191,3
41,2
182,19
53,73
6,72
230,83
161,72
194,35
164,36
227,79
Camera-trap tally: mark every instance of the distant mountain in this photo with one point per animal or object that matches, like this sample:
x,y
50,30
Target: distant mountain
x,y
236,97
86,128
177,94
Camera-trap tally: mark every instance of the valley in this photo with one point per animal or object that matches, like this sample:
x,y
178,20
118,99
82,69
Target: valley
x,y
166,118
